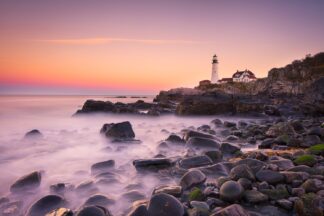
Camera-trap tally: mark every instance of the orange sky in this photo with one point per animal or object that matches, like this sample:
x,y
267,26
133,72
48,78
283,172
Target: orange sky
x,y
148,46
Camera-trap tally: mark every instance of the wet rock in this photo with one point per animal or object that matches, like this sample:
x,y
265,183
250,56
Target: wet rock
x,y
291,176
173,138
309,204
173,190
200,207
100,200
94,211
102,166
33,134
270,176
254,164
318,131
254,196
46,205
164,205
192,178
231,191
215,170
281,128
217,122
97,106
199,142
231,138
86,187
133,195
312,185
302,168
28,182
267,143
241,171
60,212
228,148
283,164
214,155
139,211
118,131
61,188
153,164
229,124
195,134
196,161
232,210
285,204
246,183
310,140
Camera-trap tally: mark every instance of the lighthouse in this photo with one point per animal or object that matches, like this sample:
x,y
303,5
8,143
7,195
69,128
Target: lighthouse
x,y
214,76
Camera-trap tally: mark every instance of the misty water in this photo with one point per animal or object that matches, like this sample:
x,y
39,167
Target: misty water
x,y
70,145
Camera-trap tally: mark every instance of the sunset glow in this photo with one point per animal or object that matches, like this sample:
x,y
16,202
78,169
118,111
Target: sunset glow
x,y
146,46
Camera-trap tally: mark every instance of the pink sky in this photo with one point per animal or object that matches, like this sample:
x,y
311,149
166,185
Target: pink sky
x,y
141,47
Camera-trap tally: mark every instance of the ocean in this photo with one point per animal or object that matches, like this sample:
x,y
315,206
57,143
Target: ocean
x,y
70,145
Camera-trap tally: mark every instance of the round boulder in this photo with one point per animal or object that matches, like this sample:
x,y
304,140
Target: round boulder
x,y
164,205
46,205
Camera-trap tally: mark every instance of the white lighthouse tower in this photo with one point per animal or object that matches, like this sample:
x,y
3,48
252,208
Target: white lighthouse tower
x,y
214,76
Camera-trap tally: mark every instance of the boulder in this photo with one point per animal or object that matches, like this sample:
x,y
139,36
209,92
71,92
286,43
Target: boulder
x,y
310,140
153,164
231,191
118,131
283,164
195,161
254,164
27,183
293,176
93,211
173,138
215,170
100,200
164,205
228,148
33,134
246,183
102,166
281,128
214,155
270,176
198,142
192,178
312,185
46,205
190,134
139,211
254,196
232,210
241,171
173,190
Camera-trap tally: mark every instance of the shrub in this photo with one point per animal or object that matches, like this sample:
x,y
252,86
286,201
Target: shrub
x,y
196,194
317,149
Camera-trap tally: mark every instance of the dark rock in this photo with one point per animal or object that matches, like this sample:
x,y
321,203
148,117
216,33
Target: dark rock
x,y
266,144
217,122
291,176
164,205
196,161
312,185
246,183
276,193
139,211
100,200
283,164
310,140
232,210
309,204
102,166
318,131
196,134
173,138
281,128
153,164
214,155
254,164
231,191
215,170
229,124
270,176
34,134
94,211
254,196
199,142
242,171
172,190
46,205
86,187
228,148
27,183
61,188
192,178
97,106
285,204
118,131
231,138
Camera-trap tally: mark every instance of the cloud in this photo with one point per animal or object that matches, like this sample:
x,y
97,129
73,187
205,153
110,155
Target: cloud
x,y
106,40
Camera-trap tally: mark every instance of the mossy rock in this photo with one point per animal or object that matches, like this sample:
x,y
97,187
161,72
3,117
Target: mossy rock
x,y
308,160
317,149
309,204
276,194
196,195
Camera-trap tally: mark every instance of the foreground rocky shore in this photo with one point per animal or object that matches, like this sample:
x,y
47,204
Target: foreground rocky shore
x,y
284,176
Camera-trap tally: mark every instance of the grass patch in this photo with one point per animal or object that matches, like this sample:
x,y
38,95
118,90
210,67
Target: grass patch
x,y
196,194
317,149
308,160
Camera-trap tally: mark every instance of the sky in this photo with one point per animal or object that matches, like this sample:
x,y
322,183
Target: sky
x,y
144,46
